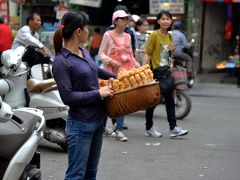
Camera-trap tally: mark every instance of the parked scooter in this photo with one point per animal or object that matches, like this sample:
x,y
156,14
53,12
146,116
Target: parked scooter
x,y
21,130
40,94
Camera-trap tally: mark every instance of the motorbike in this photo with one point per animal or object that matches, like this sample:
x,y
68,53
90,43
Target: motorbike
x,y
183,103
35,93
21,130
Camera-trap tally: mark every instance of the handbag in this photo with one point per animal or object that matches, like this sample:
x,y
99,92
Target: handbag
x,y
166,81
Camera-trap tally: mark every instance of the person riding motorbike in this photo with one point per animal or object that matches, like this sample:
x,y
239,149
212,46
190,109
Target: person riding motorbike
x,y
28,37
180,40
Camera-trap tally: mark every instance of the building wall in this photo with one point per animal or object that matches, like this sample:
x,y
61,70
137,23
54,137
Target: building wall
x,y
194,30
215,47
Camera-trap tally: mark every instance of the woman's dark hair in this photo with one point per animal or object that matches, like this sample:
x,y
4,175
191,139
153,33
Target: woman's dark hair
x,y
160,14
140,22
121,7
97,30
70,22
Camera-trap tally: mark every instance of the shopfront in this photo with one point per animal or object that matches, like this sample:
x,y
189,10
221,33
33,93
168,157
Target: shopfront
x,y
220,29
4,10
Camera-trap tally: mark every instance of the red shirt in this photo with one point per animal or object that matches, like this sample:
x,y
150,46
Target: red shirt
x,y
96,41
5,37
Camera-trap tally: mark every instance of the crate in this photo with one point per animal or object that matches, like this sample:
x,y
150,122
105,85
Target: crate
x,y
133,100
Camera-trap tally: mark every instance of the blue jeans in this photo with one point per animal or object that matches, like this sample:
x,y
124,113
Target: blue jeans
x,y
84,148
119,123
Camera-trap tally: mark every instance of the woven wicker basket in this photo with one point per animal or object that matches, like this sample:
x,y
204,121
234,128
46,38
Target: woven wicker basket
x,y
132,100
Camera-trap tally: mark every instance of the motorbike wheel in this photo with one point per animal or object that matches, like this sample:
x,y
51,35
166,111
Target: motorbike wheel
x,y
31,173
183,105
58,124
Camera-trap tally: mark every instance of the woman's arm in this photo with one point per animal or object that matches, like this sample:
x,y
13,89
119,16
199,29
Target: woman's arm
x,y
149,48
145,59
103,74
69,96
104,48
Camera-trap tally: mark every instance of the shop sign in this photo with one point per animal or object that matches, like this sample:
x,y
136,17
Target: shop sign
x,y
4,9
61,10
90,3
173,6
20,1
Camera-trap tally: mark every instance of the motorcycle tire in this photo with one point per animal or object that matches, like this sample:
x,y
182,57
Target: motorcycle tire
x,y
183,105
31,173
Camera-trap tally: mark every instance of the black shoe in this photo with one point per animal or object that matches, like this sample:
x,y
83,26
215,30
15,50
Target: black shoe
x,y
125,126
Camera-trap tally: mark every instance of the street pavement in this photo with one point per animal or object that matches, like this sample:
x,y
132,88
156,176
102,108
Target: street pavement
x,y
211,150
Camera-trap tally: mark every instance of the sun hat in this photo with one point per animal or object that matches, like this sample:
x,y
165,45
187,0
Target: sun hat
x,y
119,14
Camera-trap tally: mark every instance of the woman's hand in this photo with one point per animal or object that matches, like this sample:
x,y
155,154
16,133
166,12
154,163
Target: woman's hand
x,y
45,51
136,64
114,64
105,91
172,47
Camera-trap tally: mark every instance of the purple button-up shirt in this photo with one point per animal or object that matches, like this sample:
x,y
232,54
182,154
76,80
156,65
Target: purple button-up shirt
x,y
77,82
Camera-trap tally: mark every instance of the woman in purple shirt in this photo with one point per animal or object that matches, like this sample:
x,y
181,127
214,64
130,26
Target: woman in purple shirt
x,y
77,80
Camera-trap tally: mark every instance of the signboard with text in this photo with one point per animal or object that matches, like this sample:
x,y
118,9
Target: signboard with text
x,y
20,1
61,10
90,3
173,6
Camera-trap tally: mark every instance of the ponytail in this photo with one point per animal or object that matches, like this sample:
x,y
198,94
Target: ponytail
x,y
58,40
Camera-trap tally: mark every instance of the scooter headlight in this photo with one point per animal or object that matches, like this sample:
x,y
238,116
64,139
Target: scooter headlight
x,y
6,111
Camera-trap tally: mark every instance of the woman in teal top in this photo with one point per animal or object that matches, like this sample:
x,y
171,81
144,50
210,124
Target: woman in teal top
x,y
158,48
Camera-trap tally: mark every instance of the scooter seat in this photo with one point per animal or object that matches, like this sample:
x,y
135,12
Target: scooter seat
x,y
39,86
14,133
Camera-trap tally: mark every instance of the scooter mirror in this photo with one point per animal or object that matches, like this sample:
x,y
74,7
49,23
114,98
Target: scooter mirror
x,y
5,86
6,112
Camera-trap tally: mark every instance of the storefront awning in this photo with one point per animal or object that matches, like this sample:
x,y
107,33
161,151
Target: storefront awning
x,y
89,3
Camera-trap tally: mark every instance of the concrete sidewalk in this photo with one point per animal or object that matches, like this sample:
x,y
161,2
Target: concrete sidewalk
x,y
218,78
215,84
